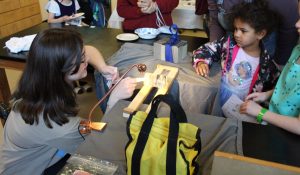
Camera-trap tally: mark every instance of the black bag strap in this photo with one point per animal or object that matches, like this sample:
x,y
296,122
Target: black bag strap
x,y
177,116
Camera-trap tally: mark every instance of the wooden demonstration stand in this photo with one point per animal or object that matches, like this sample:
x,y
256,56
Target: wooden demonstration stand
x,y
228,164
162,78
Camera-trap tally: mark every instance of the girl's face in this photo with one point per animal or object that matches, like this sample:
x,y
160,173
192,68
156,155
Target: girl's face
x,y
81,73
246,36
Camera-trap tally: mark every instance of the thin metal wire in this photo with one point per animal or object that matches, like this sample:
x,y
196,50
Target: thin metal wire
x,y
86,125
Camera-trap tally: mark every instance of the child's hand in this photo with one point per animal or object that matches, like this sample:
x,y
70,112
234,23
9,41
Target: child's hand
x,y
202,69
65,18
257,97
250,107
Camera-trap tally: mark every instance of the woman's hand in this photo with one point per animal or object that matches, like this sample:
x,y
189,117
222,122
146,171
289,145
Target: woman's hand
x,y
123,90
250,107
144,3
147,6
202,69
110,73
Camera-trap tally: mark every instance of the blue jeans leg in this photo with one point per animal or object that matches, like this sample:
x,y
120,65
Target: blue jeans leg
x,y
101,89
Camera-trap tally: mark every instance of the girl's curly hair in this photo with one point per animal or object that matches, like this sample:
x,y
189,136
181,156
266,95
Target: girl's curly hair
x,y
257,14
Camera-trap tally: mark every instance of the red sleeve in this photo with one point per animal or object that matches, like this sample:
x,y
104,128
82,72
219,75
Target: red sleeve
x,y
128,9
166,6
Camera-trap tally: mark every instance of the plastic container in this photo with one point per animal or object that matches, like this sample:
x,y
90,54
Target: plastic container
x,y
88,164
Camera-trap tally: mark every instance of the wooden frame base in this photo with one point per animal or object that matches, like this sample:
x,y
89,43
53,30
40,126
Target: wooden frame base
x,y
228,164
170,74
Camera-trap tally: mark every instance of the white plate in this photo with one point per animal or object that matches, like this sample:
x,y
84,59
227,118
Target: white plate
x,y
77,15
127,37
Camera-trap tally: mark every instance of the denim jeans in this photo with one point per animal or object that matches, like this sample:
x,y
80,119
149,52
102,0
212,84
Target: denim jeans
x,y
101,89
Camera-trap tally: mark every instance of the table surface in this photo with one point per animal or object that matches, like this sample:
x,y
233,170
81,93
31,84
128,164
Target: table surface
x,y
103,39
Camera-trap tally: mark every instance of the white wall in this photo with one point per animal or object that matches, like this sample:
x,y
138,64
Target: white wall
x,y
43,11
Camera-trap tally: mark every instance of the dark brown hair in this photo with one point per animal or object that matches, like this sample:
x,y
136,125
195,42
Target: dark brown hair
x,y
42,89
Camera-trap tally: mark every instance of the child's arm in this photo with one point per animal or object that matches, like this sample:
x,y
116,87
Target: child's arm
x,y
206,54
291,124
51,18
260,96
202,69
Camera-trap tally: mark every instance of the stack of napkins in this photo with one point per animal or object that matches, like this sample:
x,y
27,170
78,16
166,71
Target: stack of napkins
x,y
18,44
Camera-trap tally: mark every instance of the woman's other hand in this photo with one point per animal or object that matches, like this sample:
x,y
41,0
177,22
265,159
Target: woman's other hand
x,y
110,73
147,6
144,3
123,90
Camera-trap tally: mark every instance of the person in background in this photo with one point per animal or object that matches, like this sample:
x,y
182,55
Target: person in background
x,y
43,123
61,10
142,13
246,65
284,106
286,34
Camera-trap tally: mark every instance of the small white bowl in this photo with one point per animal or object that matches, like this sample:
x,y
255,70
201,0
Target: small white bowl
x,y
147,33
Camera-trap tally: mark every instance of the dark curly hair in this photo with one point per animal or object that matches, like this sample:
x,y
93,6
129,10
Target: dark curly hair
x,y
257,14
42,89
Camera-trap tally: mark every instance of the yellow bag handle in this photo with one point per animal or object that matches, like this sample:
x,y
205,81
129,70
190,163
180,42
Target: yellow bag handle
x,y
177,115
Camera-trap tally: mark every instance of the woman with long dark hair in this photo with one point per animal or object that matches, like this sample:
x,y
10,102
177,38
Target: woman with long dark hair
x,y
43,123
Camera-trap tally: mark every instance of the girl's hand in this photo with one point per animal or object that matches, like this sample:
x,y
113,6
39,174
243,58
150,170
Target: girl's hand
x,y
258,97
65,18
202,69
110,73
250,107
123,90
